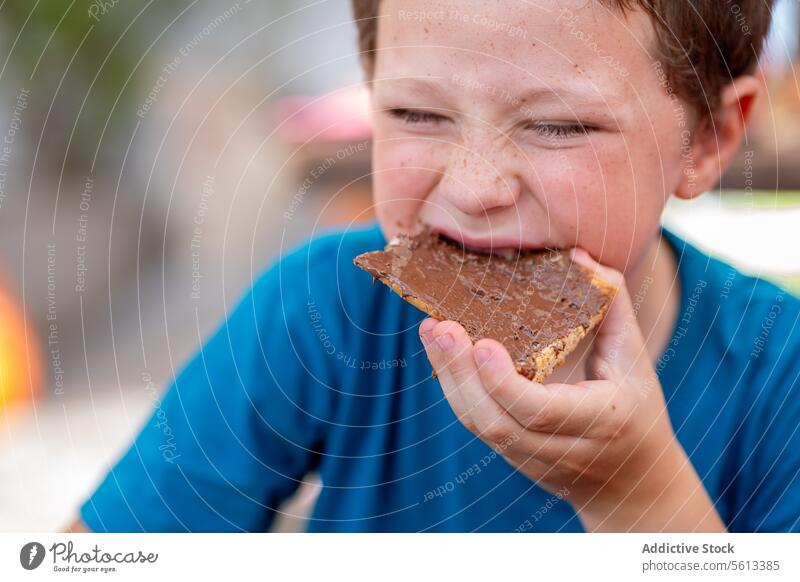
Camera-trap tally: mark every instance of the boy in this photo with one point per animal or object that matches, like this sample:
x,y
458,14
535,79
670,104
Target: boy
x,y
505,124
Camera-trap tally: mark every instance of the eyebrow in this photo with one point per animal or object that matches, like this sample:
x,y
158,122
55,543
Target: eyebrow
x,y
416,84
581,93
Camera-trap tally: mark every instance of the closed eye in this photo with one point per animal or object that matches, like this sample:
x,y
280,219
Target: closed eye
x,y
561,130
416,116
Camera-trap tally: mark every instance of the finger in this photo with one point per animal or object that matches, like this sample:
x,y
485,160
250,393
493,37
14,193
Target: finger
x,y
435,355
620,311
619,343
478,410
554,408
429,343
438,358
426,333
489,420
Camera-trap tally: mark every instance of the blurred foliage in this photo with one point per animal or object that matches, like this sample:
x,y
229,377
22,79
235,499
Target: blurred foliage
x,y
762,199
95,46
68,24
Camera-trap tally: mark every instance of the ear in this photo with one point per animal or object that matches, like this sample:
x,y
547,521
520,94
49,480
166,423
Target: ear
x,y
716,140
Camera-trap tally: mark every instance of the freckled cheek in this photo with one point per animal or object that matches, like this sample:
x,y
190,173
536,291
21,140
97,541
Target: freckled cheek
x,y
403,177
566,187
619,215
607,223
596,202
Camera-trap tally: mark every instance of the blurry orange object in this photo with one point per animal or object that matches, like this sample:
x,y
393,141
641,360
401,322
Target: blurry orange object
x,y
20,359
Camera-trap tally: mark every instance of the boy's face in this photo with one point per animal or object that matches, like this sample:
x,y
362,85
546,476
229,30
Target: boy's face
x,y
524,124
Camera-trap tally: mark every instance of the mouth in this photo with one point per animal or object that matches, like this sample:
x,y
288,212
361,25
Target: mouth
x,y
487,245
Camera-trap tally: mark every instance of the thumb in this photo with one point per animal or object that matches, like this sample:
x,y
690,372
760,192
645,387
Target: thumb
x,y
619,342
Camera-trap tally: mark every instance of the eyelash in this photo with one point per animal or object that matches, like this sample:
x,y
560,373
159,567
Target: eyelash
x,y
559,131
413,116
545,130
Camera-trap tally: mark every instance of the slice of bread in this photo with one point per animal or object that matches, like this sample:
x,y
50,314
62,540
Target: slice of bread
x,y
538,304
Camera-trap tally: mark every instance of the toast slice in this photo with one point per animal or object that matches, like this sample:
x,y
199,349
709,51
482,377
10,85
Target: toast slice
x,y
538,304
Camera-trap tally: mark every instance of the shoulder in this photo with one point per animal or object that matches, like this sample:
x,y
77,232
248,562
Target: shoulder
x,y
320,268
749,320
290,326
333,247
315,302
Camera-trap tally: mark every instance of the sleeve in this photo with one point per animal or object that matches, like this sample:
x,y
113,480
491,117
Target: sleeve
x,y
231,437
769,475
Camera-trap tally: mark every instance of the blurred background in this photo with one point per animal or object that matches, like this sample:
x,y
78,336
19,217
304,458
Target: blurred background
x,y
154,156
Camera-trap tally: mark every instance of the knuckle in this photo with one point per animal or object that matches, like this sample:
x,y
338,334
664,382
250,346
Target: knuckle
x,y
598,367
500,383
494,432
543,420
573,467
461,373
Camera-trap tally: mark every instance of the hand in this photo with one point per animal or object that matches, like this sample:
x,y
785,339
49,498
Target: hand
x,y
607,441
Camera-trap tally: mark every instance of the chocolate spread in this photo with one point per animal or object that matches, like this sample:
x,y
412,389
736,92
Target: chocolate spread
x,y
526,300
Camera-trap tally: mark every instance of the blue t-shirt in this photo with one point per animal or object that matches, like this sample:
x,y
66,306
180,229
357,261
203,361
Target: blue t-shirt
x,y
318,370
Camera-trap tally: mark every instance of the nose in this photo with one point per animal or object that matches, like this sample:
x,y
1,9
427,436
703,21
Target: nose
x,y
480,179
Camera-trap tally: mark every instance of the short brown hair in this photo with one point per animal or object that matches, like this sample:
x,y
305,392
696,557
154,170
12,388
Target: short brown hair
x,y
702,44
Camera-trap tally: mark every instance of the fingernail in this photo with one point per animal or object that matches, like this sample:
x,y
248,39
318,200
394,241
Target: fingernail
x,y
445,341
425,329
482,356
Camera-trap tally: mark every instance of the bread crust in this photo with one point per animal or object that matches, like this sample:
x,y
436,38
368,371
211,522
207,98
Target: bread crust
x,y
542,362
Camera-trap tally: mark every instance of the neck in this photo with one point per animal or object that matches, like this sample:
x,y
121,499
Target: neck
x,y
654,288
655,293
